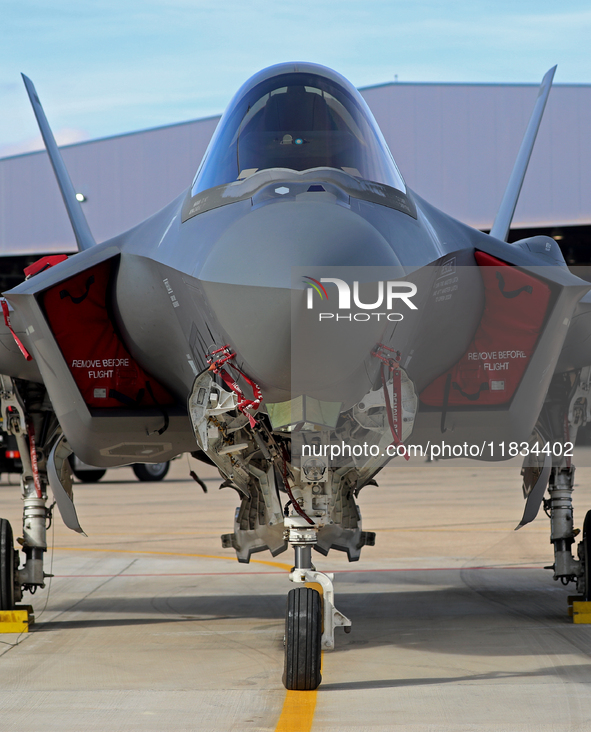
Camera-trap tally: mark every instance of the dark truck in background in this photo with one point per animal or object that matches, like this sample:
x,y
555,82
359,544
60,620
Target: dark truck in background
x,y
10,457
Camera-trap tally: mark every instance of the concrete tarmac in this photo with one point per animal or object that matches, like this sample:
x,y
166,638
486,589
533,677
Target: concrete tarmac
x,y
149,625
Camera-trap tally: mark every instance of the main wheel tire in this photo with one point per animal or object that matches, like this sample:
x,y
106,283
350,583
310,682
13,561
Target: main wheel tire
x,y
89,476
150,471
587,555
303,633
6,566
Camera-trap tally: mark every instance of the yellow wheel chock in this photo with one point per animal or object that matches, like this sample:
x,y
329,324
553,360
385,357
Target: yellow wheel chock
x,y
17,620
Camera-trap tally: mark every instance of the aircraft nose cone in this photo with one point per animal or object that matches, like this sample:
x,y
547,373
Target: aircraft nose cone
x,y
248,279
262,247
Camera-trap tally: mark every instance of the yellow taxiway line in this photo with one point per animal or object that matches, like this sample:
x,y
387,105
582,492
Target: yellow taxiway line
x,y
298,710
278,565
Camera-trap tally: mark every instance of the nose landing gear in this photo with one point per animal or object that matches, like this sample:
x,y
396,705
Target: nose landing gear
x,y
311,616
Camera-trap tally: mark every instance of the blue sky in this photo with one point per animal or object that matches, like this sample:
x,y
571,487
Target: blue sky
x,y
104,67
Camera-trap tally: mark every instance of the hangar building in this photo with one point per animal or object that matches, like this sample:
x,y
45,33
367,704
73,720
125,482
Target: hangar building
x,y
454,143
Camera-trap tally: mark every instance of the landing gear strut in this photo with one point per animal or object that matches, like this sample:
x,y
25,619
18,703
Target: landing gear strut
x,y
562,536
559,506
562,533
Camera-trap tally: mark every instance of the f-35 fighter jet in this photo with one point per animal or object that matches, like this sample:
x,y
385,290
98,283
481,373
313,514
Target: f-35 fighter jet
x,y
298,318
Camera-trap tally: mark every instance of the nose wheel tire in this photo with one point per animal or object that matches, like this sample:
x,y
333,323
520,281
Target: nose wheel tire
x,y
303,633
587,555
7,566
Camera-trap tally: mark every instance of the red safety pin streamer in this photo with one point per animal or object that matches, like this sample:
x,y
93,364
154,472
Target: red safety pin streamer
x,y
18,341
391,359
245,405
34,466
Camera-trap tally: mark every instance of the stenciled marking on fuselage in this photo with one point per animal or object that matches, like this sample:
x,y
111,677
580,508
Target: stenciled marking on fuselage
x,y
173,300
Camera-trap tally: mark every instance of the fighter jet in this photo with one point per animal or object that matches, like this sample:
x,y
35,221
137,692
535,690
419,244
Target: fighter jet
x,y
298,318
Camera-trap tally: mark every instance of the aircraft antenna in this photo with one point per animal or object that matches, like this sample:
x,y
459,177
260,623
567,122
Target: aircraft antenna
x,y
82,232
500,228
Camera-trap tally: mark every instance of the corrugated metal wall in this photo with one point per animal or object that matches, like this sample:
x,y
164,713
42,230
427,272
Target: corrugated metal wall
x,y
455,145
125,179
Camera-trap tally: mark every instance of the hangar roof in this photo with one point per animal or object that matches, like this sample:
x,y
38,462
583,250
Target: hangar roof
x,y
454,143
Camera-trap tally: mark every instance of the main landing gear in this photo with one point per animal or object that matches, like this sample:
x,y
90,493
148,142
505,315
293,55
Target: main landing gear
x,y
559,508
567,409
36,514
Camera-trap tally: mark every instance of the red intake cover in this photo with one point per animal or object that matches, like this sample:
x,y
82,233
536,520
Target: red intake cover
x,y
101,365
515,305
44,263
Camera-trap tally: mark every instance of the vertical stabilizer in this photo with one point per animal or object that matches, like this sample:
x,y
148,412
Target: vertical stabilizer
x,y
500,228
82,232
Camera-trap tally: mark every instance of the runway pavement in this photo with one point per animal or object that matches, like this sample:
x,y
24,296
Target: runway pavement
x,y
149,625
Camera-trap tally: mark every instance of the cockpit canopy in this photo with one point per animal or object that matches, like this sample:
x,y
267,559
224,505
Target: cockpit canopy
x,y
299,120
